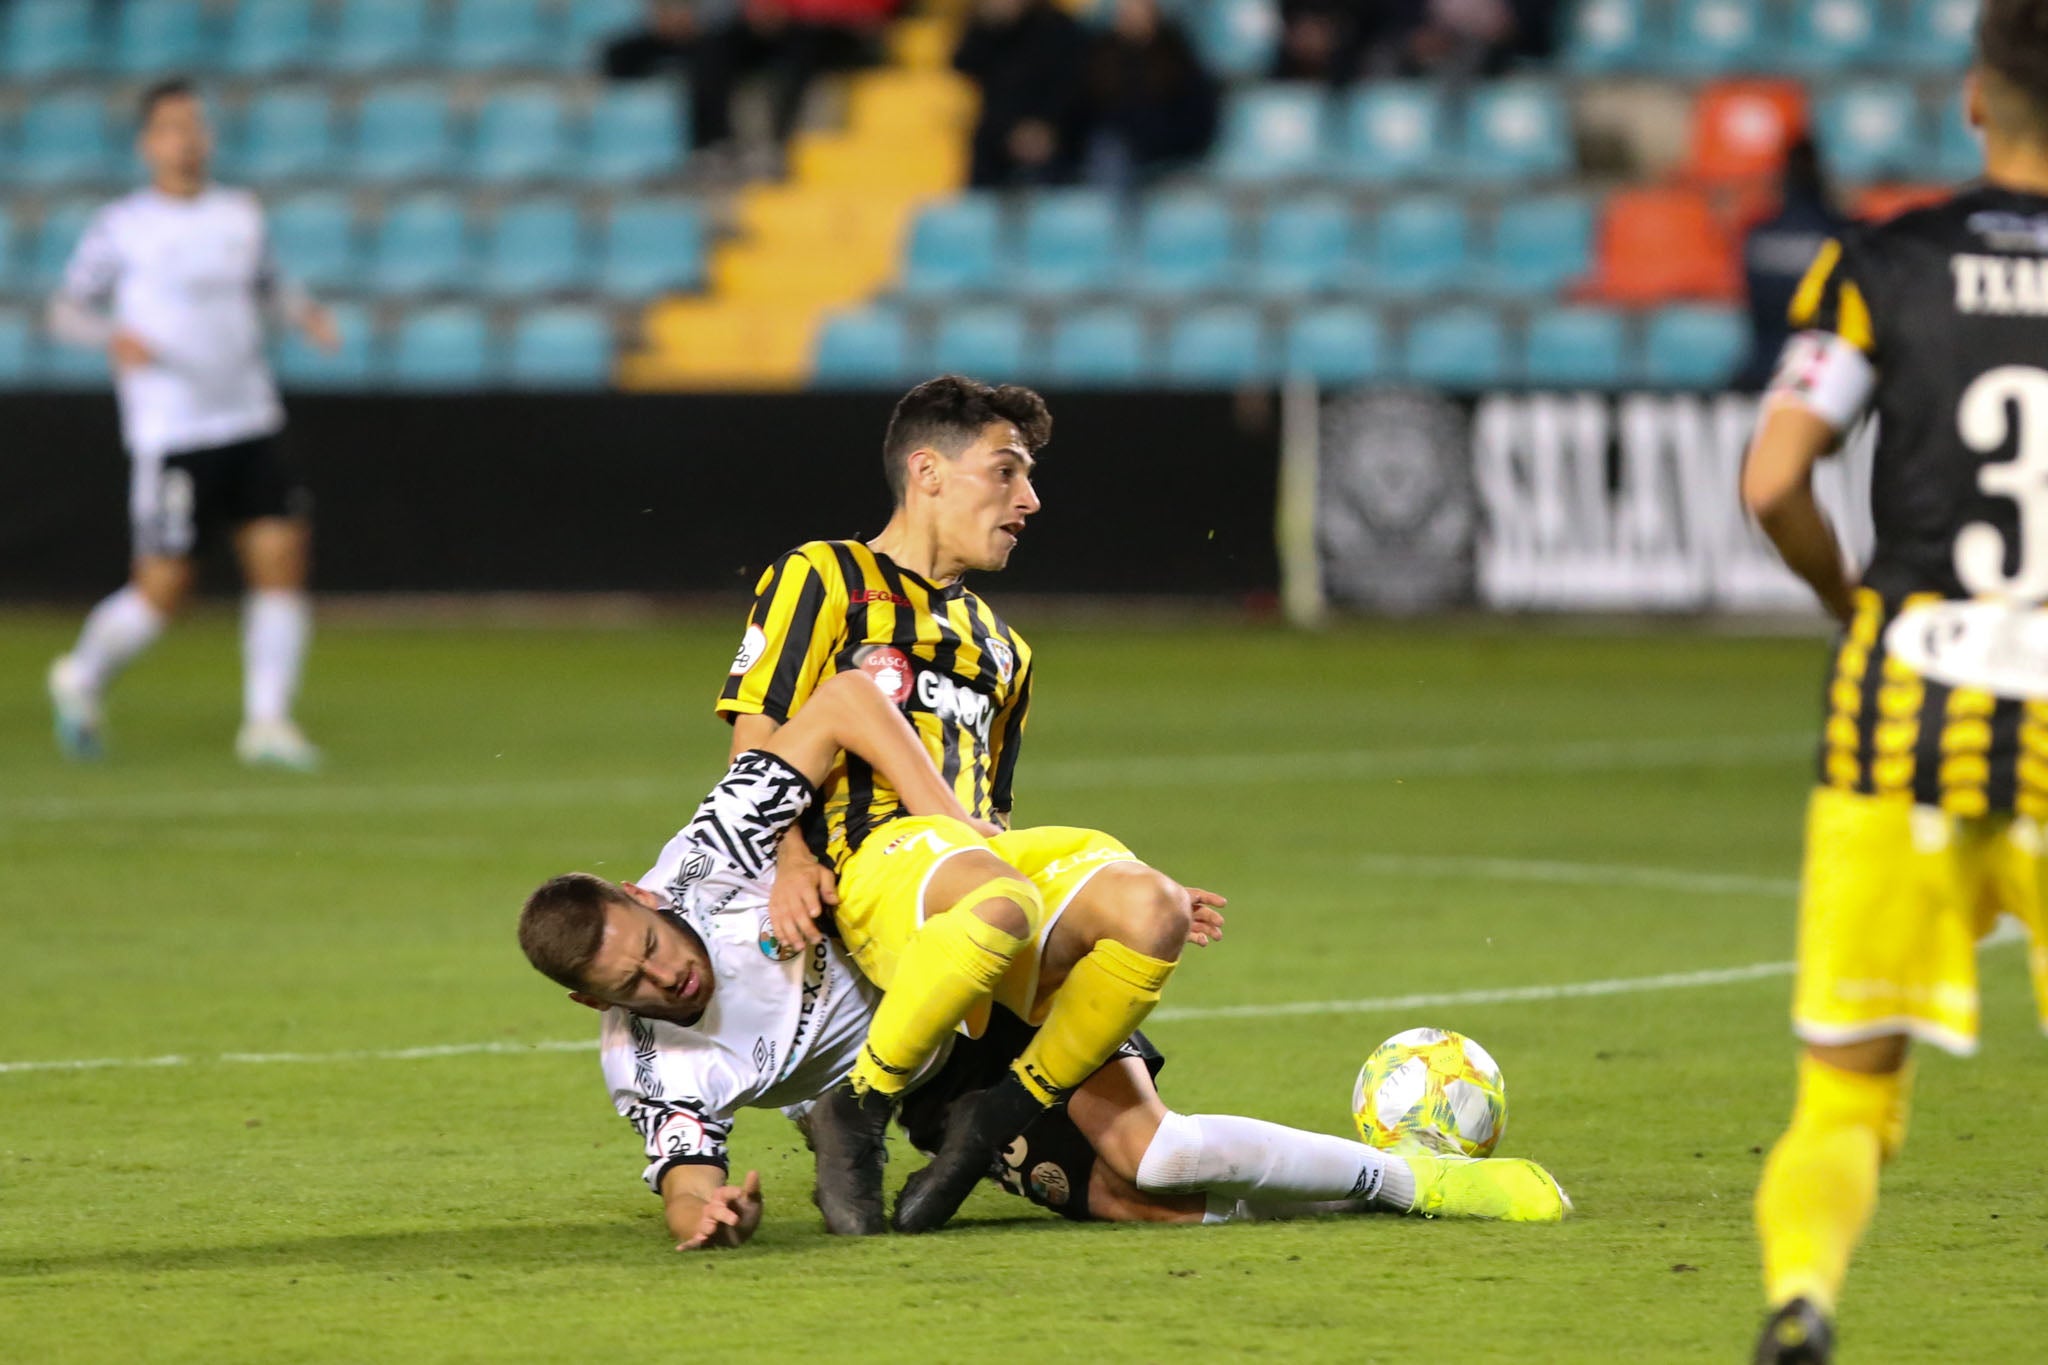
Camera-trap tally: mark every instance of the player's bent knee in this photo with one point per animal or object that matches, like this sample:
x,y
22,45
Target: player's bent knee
x,y
1005,913
1151,913
1173,1159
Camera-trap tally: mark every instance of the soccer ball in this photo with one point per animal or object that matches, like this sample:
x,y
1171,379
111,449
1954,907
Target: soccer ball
x,y
1433,1089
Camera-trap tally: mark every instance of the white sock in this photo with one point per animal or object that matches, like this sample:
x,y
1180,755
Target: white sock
x,y
117,630
276,623
1265,1163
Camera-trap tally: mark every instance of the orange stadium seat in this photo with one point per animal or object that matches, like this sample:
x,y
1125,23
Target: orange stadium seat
x,y
1879,202
1740,129
1659,245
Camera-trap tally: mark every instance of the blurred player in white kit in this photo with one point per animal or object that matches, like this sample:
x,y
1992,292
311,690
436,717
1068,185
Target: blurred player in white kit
x,y
173,282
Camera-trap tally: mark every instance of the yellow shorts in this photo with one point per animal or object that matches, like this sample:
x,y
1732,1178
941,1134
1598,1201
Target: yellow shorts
x,y
1893,902
882,886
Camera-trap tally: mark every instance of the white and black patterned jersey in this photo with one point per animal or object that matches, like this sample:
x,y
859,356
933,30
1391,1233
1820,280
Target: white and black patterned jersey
x,y
783,1025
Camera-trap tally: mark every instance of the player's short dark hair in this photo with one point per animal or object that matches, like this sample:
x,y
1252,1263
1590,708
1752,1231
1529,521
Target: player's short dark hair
x,y
169,88
947,414
563,922
2012,64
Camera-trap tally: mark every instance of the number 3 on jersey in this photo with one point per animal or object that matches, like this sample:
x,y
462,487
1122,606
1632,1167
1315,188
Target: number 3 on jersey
x,y
1982,420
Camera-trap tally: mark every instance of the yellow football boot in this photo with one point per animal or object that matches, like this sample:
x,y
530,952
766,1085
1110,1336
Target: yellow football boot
x,y
1510,1189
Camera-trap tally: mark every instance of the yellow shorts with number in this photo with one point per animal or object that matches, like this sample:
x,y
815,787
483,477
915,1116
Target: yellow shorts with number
x,y
882,887
1893,902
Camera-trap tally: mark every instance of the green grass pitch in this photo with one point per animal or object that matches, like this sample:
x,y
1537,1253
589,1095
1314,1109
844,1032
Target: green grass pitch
x,y
1420,811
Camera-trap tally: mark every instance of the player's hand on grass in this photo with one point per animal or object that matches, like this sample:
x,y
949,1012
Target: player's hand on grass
x,y
730,1216
129,351
1205,924
803,888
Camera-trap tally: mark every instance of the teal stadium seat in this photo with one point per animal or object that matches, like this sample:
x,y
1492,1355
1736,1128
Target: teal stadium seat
x,y
651,246
1516,130
1420,247
59,366
300,365
17,349
499,35
522,135
1220,346
1602,37
1540,245
1394,130
536,247
314,238
636,133
51,38
1958,148
955,248
985,341
1694,347
269,37
1069,242
161,38
1187,244
1827,36
1872,130
1237,38
1335,343
565,346
1463,347
1576,348
12,269
589,25
1937,37
65,139
404,132
382,35
1272,132
444,347
287,135
867,348
1304,246
422,247
1102,348
1710,37
63,223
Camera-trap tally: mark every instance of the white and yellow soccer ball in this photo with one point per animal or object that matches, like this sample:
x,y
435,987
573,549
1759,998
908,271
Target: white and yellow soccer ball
x,y
1431,1088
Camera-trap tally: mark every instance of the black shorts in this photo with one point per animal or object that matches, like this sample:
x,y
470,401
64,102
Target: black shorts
x,y
1050,1163
180,504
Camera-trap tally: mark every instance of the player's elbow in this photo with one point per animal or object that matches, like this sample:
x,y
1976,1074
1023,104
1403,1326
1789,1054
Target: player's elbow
x,y
1768,488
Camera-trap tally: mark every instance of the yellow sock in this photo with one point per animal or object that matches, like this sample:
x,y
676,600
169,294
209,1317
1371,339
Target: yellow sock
x,y
1105,997
1820,1182
951,964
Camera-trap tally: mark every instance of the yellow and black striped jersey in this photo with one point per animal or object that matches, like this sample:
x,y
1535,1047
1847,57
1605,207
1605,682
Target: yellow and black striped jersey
x,y
1950,306
961,676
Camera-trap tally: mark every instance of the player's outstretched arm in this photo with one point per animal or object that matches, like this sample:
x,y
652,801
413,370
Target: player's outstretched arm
x,y
848,711
704,1213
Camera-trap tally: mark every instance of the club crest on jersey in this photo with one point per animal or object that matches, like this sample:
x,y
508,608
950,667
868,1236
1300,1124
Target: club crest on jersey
x,y
889,668
752,645
1005,658
773,948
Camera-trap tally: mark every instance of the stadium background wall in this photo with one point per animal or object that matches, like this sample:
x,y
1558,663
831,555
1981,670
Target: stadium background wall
x,y
1144,493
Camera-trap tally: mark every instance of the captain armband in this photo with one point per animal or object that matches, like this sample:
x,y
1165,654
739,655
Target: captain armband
x,y
1825,375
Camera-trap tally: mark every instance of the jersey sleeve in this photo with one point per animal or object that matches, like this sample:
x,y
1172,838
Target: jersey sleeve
x,y
1833,297
1829,366
798,615
676,1132
95,264
1009,737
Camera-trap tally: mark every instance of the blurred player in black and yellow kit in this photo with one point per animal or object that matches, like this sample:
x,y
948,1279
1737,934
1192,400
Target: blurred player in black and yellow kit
x,y
1064,927
1927,821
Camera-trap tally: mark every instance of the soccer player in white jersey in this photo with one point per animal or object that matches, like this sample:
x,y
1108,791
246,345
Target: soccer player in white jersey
x,y
173,282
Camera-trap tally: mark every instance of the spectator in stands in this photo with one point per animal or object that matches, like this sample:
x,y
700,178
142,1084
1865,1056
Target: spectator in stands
x,y
1776,253
1029,58
1148,104
1339,40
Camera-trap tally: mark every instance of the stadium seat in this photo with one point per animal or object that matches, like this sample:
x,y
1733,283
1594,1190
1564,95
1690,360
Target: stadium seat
x,y
1304,246
62,225
1069,242
1740,129
636,133
1872,130
1516,130
422,246
1187,244
1541,245
985,341
589,25
1576,348
58,365
314,238
561,347
1694,348
444,347
1419,247
17,348
955,247
1607,36
1394,130
1937,36
51,38
1656,245
1223,345
1237,38
301,365
1877,203
498,35
1958,148
1271,132
381,35
1832,35
266,37
650,246
870,347
11,244
286,135
404,132
521,135
535,247
1457,348
1709,37
64,139
160,37
1097,348
1338,343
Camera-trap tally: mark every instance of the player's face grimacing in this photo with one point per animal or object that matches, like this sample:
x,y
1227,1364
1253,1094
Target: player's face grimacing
x,y
648,963
176,143
984,497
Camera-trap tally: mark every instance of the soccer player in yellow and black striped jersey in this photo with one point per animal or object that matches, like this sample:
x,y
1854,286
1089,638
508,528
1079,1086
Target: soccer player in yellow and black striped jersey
x,y
1926,820
1064,927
